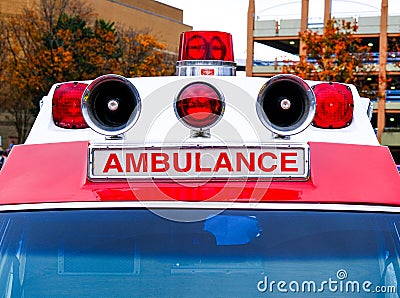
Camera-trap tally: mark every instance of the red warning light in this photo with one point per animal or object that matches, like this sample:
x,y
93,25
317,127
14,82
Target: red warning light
x,y
335,105
206,45
199,105
67,111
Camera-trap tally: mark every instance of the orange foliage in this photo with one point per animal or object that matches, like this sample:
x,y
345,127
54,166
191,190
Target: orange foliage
x,y
144,56
43,46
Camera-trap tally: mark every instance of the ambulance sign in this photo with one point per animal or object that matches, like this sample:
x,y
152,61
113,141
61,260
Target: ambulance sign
x,y
190,163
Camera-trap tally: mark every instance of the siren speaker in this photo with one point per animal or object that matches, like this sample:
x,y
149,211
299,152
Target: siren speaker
x,y
286,105
111,105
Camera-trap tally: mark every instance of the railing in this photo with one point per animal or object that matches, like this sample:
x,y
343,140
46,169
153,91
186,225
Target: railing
x,y
291,27
392,57
393,61
392,95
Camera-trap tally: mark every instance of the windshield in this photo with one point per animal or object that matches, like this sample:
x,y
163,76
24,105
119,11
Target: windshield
x,y
235,253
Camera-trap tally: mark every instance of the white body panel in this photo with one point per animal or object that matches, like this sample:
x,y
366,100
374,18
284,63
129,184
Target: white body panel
x,y
158,124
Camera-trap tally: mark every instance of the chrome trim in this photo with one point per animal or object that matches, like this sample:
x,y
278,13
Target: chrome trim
x,y
221,99
202,205
90,117
205,67
200,133
255,177
305,119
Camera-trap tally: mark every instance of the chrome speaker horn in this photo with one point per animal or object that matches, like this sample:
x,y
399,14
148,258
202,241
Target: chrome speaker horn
x,y
111,105
286,105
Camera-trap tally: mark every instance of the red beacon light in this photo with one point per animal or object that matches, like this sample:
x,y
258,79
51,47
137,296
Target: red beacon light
x,y
206,53
335,105
199,106
67,112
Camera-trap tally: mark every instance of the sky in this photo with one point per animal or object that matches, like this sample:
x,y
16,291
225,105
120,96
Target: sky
x,y
231,16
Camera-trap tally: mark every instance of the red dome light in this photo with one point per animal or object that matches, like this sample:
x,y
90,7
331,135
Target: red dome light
x,y
335,105
206,45
199,105
67,112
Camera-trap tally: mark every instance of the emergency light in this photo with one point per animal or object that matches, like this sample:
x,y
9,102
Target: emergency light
x,y
199,105
66,110
111,105
335,105
286,105
206,53
206,45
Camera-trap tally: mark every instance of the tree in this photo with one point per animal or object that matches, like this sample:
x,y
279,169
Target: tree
x,y
394,47
335,55
82,51
60,41
32,63
144,55
17,93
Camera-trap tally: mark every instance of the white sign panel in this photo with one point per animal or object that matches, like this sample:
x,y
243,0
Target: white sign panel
x,y
189,163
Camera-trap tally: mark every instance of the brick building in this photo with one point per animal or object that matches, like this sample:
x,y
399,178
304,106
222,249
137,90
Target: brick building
x,y
164,21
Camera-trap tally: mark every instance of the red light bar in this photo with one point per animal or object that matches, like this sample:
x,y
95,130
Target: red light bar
x,y
67,111
206,45
199,105
335,105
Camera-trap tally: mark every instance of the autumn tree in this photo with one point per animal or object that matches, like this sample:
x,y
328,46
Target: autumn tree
x,y
81,51
33,62
144,55
3,55
17,92
394,47
335,55
60,41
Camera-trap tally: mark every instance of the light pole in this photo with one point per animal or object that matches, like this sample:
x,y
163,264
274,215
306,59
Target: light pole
x,y
250,42
382,69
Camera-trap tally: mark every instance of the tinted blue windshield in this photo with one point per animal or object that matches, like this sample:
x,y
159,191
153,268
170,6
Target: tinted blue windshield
x,y
237,253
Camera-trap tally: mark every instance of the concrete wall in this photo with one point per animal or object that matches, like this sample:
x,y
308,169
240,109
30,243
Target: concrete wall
x,y
13,7
163,21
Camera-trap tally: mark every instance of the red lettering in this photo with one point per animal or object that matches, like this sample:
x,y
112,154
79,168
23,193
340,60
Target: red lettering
x,y
112,163
223,162
198,164
240,158
142,162
188,164
285,162
261,162
163,162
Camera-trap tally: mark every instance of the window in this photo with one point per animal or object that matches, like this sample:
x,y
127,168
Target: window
x,y
234,253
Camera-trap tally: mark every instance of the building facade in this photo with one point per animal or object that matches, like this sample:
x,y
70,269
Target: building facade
x,y
163,21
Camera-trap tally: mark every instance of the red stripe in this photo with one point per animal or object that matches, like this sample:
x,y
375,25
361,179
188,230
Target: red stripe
x,y
340,173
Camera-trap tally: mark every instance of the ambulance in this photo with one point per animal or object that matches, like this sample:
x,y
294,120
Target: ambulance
x,y
203,184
